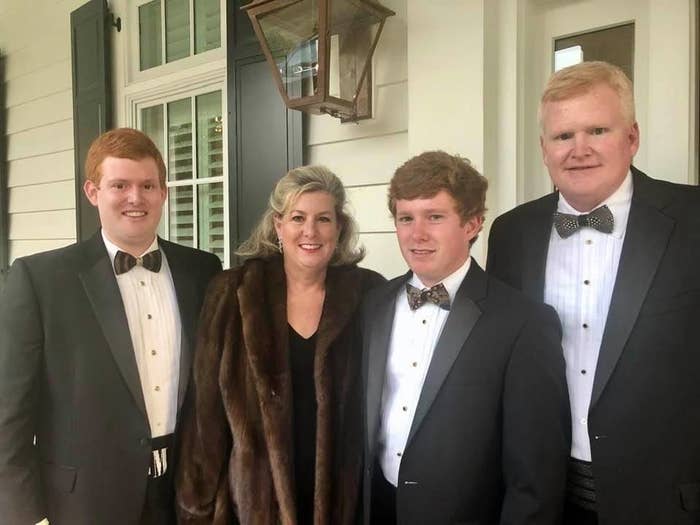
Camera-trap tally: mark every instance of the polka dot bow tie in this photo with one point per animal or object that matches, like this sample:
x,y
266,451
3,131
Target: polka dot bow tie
x,y
437,295
123,262
600,219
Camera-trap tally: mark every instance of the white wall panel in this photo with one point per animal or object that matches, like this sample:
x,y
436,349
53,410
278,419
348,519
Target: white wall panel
x,y
53,78
369,206
53,196
383,254
46,139
52,167
40,112
363,161
22,248
42,225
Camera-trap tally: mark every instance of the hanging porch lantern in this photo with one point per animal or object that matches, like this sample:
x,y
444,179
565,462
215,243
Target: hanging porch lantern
x,y
320,51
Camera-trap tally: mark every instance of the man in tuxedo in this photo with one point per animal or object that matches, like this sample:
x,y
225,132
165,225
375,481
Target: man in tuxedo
x,y
466,407
615,253
96,341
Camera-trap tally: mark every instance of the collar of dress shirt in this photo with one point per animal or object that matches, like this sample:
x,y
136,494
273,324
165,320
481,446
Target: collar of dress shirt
x,y
619,203
112,248
451,283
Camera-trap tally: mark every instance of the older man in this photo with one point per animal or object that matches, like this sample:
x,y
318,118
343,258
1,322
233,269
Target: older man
x,y
614,252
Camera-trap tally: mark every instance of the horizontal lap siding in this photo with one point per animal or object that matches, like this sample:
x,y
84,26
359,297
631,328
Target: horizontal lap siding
x,y
365,154
35,37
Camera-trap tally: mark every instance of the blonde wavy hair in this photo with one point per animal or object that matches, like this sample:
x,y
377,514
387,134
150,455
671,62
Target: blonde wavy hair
x,y
263,240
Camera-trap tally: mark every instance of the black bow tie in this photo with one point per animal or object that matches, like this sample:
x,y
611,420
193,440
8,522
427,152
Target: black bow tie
x,y
437,295
123,262
600,219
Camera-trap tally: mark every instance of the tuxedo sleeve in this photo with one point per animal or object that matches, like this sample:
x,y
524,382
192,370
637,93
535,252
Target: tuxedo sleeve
x,y
536,424
202,489
21,349
500,252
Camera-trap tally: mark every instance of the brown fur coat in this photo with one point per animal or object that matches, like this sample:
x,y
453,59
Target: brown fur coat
x,y
237,445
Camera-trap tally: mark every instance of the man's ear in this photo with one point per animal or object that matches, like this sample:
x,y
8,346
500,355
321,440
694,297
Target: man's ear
x,y
90,189
474,226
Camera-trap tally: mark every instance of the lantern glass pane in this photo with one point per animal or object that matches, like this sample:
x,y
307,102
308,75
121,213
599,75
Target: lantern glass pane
x,y
291,34
354,27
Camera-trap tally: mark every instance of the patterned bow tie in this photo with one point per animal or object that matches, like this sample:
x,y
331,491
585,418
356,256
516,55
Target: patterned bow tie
x,y
437,295
123,262
600,219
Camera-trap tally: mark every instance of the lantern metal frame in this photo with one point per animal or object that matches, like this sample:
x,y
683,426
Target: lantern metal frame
x,y
321,101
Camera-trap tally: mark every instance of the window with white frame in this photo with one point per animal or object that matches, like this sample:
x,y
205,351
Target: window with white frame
x,y
171,30
190,133
175,93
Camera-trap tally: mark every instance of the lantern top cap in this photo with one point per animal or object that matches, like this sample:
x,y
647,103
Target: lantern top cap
x,y
382,11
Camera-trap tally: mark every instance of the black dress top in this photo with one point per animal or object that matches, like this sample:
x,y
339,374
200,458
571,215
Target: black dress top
x,y
304,400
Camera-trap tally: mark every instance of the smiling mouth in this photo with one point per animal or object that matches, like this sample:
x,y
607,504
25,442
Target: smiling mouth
x,y
582,168
308,246
134,214
417,251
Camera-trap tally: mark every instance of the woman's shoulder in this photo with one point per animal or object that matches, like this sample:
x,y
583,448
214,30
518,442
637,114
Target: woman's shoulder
x,y
364,276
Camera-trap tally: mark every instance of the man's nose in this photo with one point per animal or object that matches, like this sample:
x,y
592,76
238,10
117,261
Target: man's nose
x,y
582,145
419,231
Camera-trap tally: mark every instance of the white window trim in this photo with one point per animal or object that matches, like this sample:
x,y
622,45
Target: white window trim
x,y
133,72
186,84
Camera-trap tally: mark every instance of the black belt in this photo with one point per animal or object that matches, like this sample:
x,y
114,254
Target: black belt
x,y
580,484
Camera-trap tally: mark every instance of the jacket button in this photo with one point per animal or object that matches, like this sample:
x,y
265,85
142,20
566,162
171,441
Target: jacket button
x,y
143,442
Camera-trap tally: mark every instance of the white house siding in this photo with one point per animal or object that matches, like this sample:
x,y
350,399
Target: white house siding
x,y
365,154
35,40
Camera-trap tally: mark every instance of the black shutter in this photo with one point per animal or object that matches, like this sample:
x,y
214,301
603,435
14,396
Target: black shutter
x,y
4,230
265,138
92,109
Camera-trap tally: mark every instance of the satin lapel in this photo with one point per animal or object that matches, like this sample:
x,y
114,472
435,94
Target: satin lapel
x,y
648,231
535,247
379,337
464,313
103,293
186,301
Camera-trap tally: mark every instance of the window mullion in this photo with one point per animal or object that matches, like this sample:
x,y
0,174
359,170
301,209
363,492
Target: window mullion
x,y
166,149
192,23
195,174
163,48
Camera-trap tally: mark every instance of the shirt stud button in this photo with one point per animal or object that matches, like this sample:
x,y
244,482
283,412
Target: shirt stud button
x,y
157,389
585,325
153,352
586,282
414,364
149,316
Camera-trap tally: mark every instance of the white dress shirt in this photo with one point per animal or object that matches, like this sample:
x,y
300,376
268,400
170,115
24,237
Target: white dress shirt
x,y
154,324
414,335
579,281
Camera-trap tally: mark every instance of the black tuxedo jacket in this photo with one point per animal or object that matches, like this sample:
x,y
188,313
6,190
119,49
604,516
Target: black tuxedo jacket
x,y
68,376
644,423
491,434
